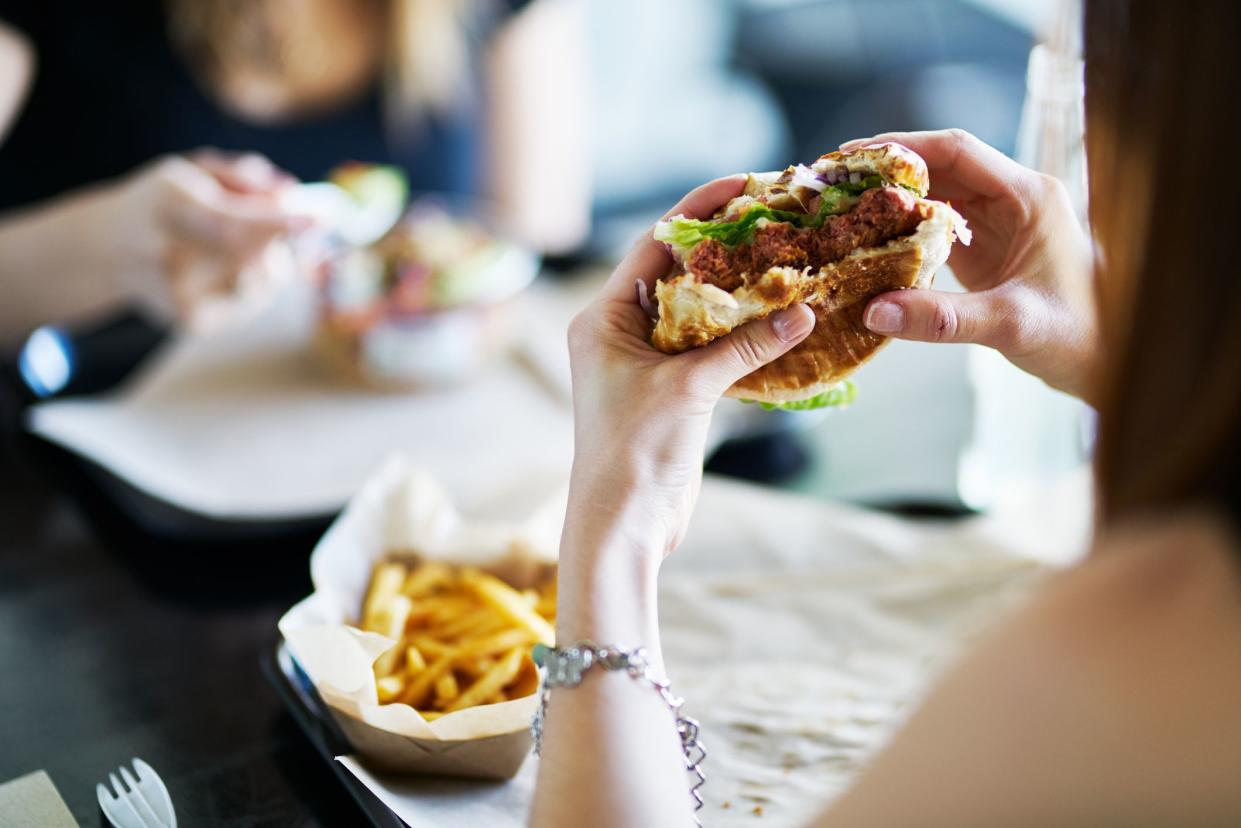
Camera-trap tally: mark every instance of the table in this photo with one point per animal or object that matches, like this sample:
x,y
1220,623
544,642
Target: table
x,y
113,645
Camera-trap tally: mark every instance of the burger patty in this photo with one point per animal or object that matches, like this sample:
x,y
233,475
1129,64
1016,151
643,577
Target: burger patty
x,y
882,214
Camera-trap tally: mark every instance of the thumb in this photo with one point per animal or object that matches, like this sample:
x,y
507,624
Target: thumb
x,y
752,346
935,316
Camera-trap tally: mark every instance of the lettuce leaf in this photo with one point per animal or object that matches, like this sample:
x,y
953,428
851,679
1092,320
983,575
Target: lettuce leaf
x,y
685,233
839,395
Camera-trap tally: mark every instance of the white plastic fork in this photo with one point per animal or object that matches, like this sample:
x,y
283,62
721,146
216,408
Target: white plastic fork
x,y
142,802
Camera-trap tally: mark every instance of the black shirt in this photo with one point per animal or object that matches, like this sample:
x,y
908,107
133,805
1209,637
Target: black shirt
x,y
110,93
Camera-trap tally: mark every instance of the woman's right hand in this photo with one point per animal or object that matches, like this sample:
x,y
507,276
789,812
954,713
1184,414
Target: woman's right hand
x,y
198,230
198,239
1027,273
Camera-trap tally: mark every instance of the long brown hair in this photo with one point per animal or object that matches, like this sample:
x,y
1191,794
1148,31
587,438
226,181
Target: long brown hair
x,y
1163,93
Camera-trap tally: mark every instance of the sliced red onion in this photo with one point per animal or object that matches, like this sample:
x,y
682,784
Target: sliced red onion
x,y
805,177
837,174
645,300
855,178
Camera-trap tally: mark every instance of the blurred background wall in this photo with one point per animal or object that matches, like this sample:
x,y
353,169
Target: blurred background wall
x,y
689,90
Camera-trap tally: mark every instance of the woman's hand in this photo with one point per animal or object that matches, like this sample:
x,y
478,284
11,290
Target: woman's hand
x,y
199,231
1028,272
641,416
192,238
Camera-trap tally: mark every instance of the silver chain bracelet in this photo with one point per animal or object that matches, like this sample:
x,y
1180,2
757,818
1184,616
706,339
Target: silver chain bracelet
x,y
564,668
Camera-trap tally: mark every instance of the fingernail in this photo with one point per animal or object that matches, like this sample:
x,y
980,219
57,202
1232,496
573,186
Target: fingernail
x,y
885,317
856,142
792,323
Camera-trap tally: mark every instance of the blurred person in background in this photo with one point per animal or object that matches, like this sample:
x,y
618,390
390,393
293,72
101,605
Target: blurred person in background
x,y
1111,699
108,201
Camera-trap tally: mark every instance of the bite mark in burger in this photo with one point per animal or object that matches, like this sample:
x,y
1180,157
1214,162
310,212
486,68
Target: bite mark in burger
x,y
833,235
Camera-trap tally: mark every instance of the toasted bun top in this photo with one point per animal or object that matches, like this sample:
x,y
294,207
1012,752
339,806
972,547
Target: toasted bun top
x,y
896,163
785,190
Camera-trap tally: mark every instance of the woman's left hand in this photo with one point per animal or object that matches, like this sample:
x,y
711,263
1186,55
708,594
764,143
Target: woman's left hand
x,y
641,420
641,416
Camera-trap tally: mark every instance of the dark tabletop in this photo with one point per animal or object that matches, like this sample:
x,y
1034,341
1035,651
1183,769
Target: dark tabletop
x,y
115,644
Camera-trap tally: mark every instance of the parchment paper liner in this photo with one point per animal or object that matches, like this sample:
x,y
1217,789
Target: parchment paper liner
x,y
401,510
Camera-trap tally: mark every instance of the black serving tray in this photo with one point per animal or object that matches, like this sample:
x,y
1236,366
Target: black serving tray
x,y
309,711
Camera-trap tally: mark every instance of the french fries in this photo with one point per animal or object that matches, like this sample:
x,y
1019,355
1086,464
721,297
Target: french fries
x,y
509,603
386,582
463,637
501,674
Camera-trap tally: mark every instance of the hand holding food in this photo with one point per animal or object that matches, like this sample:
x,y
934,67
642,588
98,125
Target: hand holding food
x,y
730,268
200,228
641,416
463,637
1028,272
195,239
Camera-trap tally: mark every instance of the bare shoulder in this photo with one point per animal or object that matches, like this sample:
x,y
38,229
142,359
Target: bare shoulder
x,y
1170,584
1114,698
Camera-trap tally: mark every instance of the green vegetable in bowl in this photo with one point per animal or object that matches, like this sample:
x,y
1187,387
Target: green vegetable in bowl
x,y
380,193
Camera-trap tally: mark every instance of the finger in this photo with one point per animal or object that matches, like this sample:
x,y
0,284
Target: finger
x,y
750,347
210,214
194,280
649,259
264,275
937,316
209,292
237,226
249,173
956,159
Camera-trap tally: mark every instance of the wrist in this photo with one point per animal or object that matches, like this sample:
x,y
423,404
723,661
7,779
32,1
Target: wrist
x,y
144,254
606,594
610,507
130,261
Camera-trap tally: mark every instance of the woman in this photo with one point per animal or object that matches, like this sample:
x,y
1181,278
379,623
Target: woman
x,y
1112,698
468,96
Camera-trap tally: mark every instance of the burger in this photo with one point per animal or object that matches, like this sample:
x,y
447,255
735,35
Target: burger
x,y
831,235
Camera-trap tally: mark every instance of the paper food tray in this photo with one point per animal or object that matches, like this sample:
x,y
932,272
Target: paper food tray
x,y
402,509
